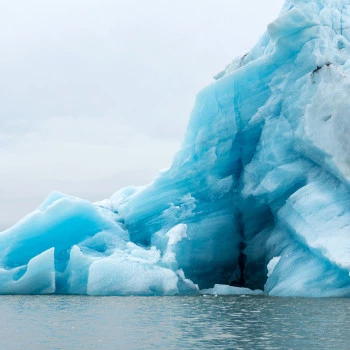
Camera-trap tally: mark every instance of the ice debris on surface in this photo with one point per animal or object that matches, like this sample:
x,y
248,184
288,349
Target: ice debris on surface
x,y
258,196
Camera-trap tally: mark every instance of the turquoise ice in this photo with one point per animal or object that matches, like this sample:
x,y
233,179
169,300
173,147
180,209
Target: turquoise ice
x,y
258,197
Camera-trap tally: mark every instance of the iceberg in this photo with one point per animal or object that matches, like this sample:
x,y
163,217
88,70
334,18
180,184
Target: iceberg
x,y
257,198
221,289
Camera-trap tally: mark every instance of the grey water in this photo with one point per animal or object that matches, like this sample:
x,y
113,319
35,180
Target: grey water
x,y
238,322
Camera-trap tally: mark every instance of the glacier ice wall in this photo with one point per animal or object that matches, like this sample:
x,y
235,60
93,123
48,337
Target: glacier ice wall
x,y
258,196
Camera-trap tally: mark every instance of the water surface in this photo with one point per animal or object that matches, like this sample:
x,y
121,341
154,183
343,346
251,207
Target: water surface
x,y
258,322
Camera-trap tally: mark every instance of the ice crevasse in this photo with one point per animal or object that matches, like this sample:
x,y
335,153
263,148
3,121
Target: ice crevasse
x,y
258,197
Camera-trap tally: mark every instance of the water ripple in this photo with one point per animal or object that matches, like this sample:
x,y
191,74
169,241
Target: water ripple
x,y
257,322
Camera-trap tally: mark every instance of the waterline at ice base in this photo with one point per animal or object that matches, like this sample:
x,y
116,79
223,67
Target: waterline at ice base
x,y
257,200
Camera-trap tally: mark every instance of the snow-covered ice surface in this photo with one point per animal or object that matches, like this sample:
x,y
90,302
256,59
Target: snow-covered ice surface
x,y
258,196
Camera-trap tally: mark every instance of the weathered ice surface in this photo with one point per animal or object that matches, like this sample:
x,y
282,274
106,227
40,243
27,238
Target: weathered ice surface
x,y
258,197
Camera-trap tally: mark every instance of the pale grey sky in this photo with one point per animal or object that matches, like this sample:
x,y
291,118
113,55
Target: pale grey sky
x,y
96,94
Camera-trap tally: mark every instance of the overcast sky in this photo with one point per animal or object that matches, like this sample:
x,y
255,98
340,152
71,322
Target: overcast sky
x,y
96,94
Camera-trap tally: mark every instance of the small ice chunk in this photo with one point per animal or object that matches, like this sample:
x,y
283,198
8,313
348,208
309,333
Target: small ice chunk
x,y
221,289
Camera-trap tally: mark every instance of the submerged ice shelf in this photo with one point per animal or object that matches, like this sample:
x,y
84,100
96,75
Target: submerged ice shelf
x,y
258,196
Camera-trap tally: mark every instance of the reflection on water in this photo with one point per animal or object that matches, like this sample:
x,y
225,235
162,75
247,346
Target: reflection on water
x,y
62,322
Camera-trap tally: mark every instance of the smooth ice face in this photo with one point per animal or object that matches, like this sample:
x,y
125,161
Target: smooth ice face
x,y
258,197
